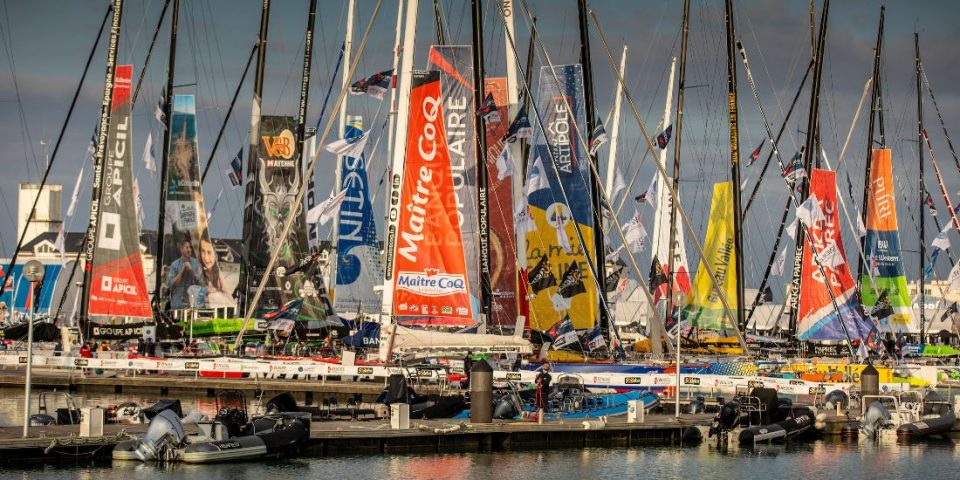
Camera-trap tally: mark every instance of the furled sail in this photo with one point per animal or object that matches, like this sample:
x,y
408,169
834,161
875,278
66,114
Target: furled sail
x,y
704,307
661,242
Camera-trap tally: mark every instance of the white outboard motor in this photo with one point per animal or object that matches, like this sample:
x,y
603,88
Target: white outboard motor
x,y
164,429
872,420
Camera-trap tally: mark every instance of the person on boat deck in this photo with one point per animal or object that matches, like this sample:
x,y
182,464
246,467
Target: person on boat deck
x,y
184,272
543,385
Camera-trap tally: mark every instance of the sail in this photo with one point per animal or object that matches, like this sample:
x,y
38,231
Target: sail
x,y
430,273
817,317
503,250
187,246
704,307
558,155
277,178
455,64
117,287
882,248
359,267
661,242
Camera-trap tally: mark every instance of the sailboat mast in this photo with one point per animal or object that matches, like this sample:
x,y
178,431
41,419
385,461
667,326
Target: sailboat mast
x,y
341,128
438,23
393,94
595,182
871,123
252,147
922,189
164,163
98,161
615,127
684,34
516,152
734,164
483,224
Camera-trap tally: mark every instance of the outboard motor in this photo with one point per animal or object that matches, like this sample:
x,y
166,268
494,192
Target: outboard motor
x,y
876,415
834,398
164,429
726,419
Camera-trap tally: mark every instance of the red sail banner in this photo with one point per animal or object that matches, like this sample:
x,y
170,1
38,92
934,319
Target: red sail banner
x,y
430,274
118,287
503,248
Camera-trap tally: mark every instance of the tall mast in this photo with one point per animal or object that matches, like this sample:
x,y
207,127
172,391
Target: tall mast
x,y
252,147
393,93
734,164
400,141
684,34
516,152
98,159
615,127
874,94
922,189
483,224
595,182
438,23
808,152
342,128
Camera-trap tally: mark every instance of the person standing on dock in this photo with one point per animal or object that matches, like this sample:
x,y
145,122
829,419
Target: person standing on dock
x,y
543,386
467,366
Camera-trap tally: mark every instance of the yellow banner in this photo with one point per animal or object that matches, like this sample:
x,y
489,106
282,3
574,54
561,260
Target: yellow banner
x,y
704,308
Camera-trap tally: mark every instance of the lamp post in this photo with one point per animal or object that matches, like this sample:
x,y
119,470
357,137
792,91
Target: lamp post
x,y
33,272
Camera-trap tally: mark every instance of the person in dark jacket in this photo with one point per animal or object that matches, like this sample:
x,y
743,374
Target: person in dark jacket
x,y
543,385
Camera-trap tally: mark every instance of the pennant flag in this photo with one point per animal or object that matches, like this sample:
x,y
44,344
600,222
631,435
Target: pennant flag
x,y
809,211
595,339
861,228
650,194
540,277
350,146
522,219
76,193
565,334
597,137
883,308
618,183
658,280
781,261
767,295
160,112
376,85
794,170
520,127
324,211
756,154
942,241
505,166
149,158
488,109
236,169
928,201
635,234
831,256
664,138
537,178
792,228
571,283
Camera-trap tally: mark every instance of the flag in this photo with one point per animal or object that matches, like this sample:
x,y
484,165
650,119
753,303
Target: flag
x,y
571,283
883,308
794,170
862,352
236,169
792,228
321,213
488,109
781,261
831,256
160,112
536,178
756,154
595,339
287,311
350,146
504,164
540,277
59,244
610,283
614,254
520,127
953,280
650,194
928,269
565,334
950,311
375,85
861,228
635,234
809,211
522,219
306,263
874,266
76,193
928,201
664,138
618,183
658,280
597,137
942,241
149,157
767,295
138,202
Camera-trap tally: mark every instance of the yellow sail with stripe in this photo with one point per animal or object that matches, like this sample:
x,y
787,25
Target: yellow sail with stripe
x,y
704,307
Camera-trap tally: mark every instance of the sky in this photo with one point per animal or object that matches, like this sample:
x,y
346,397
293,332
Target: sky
x,y
45,43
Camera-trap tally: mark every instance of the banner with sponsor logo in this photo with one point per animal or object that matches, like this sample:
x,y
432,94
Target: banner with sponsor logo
x,y
882,248
704,308
359,267
455,64
118,287
276,177
564,160
661,243
191,261
503,249
817,317
430,273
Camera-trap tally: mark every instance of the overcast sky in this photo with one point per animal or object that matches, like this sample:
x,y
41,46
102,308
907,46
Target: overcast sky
x,y
45,43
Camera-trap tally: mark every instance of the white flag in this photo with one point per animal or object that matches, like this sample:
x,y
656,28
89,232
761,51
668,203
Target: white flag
x,y
504,164
942,241
635,234
953,280
792,228
561,304
536,178
809,211
322,213
76,192
522,220
861,229
831,256
59,244
138,201
149,159
348,147
614,254
777,269
618,184
651,194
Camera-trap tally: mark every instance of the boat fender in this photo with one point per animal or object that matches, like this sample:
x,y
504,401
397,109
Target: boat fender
x,y
594,424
